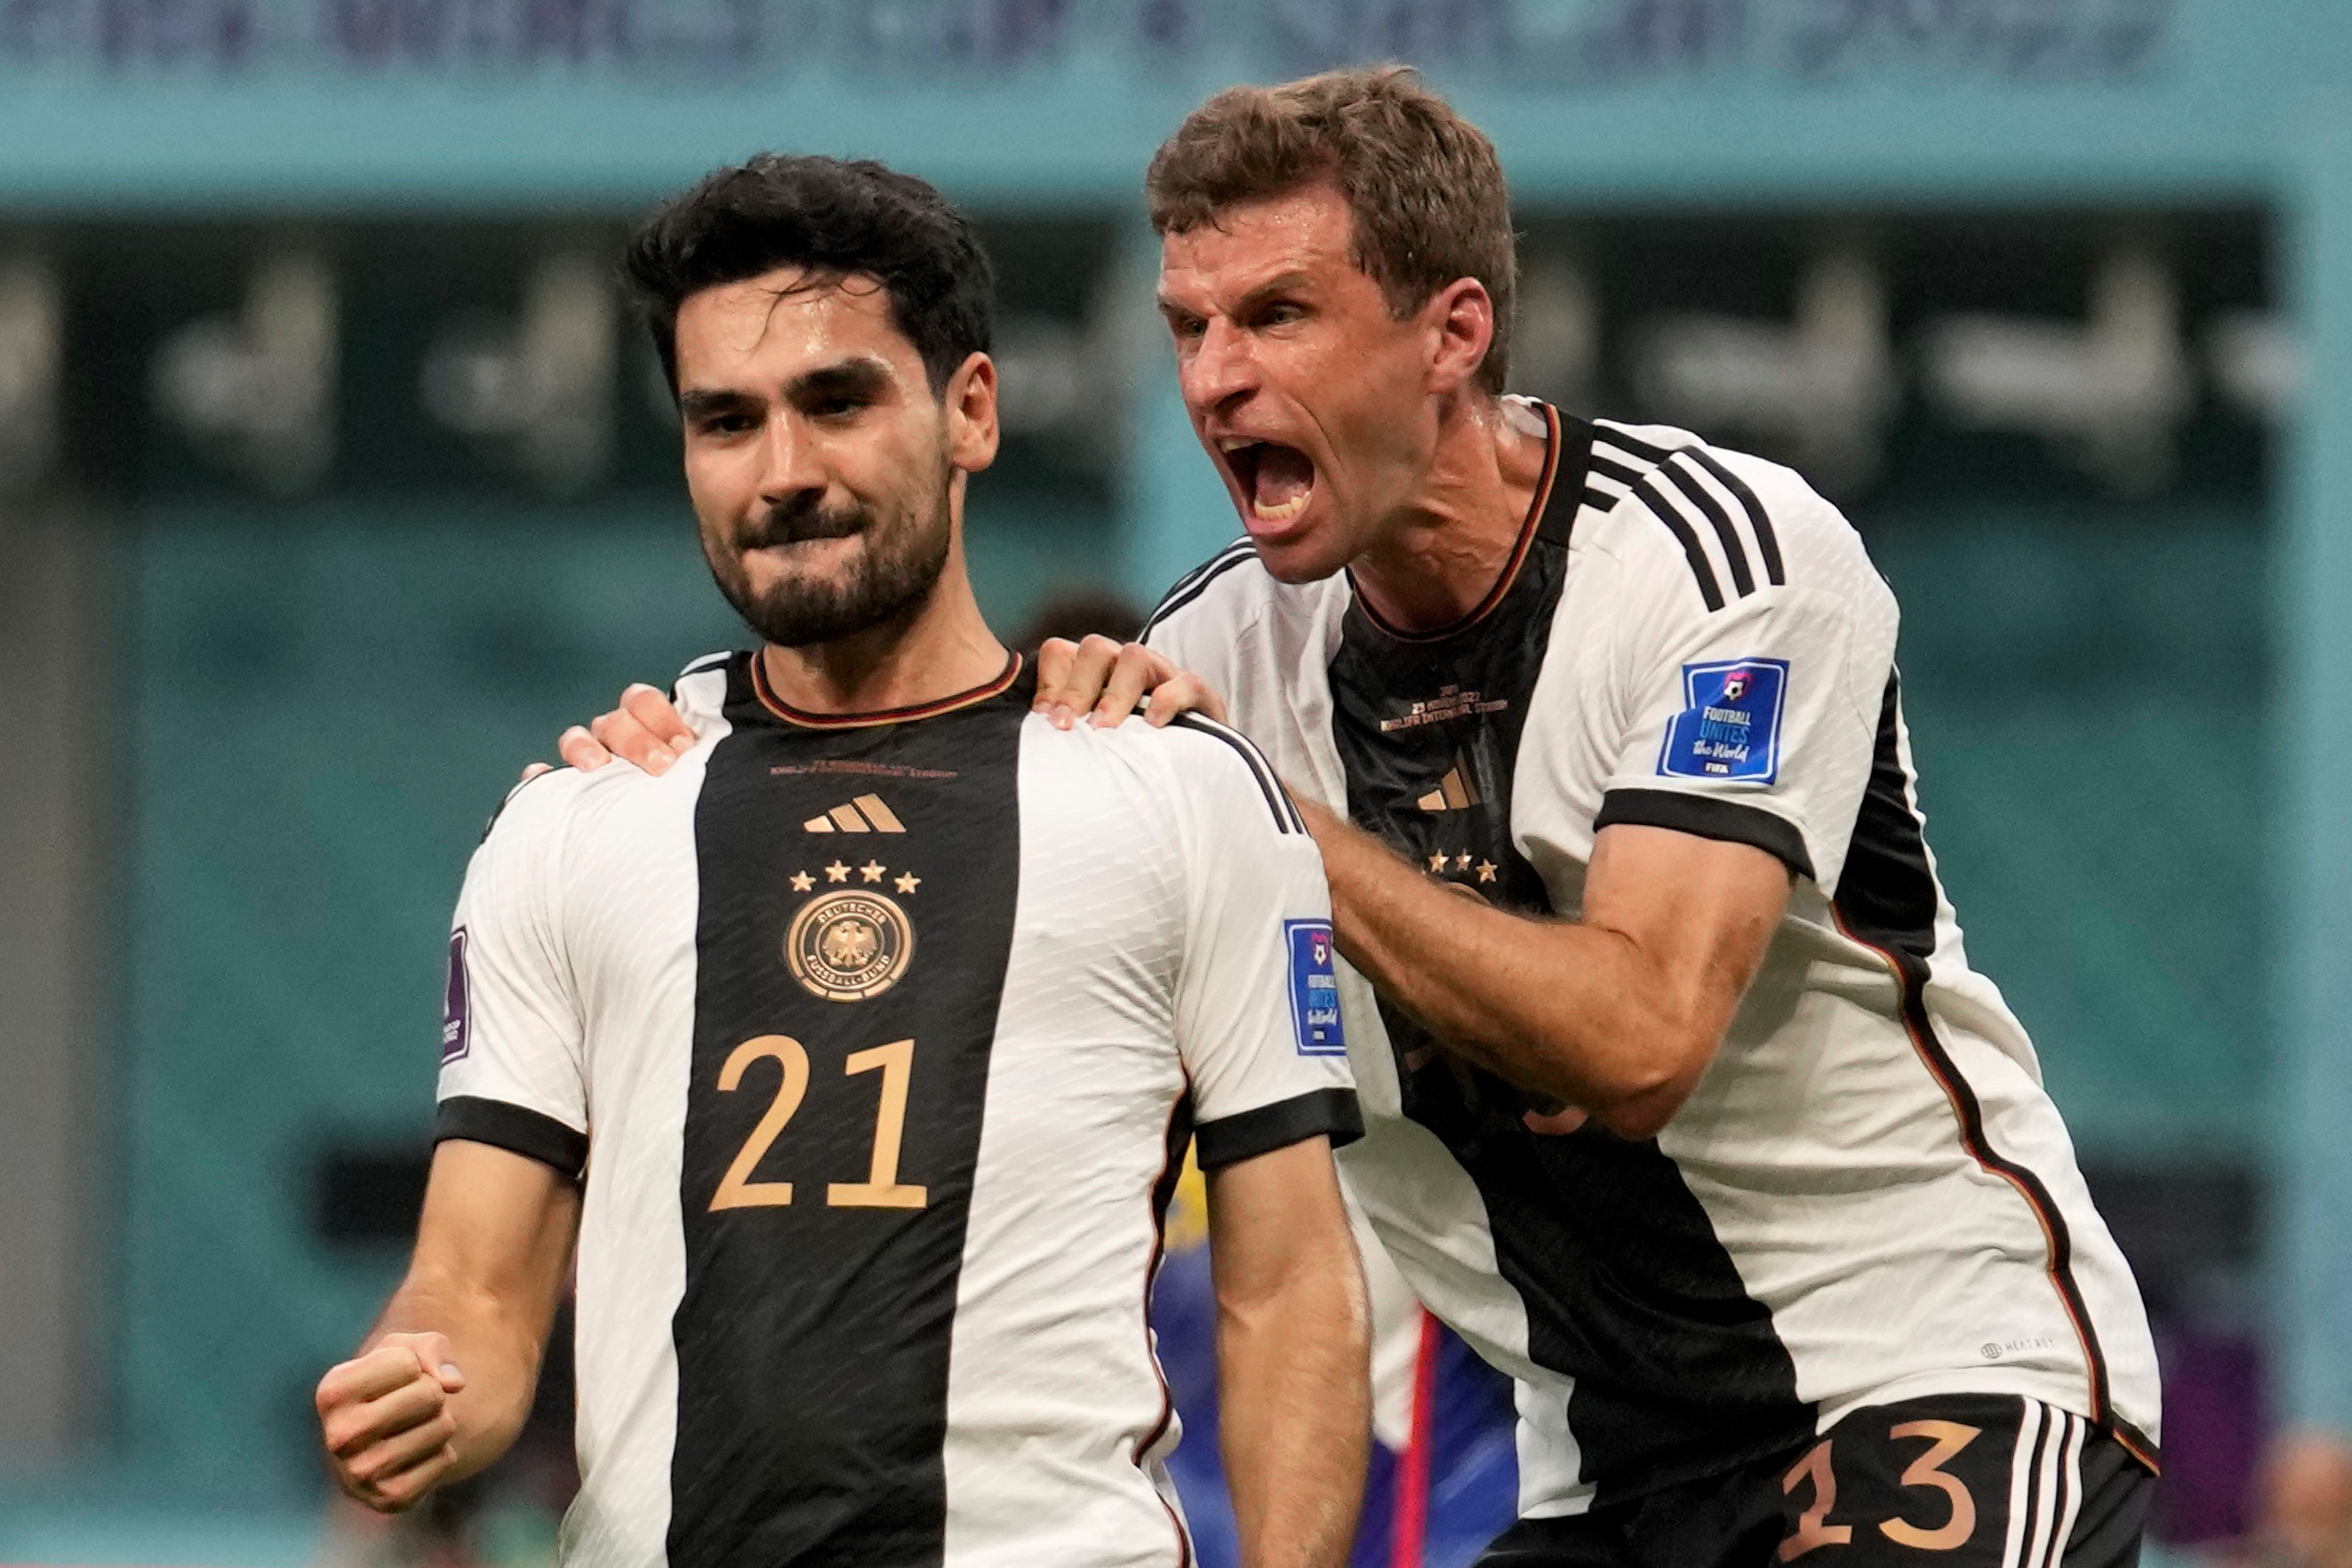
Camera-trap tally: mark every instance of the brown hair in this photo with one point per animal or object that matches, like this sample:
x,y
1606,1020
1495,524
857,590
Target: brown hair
x,y
1423,184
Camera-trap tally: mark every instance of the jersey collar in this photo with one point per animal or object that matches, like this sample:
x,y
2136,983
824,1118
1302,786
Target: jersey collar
x,y
802,717
1544,521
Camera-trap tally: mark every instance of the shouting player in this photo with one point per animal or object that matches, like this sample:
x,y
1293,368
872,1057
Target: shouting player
x,y
1683,1105
858,1050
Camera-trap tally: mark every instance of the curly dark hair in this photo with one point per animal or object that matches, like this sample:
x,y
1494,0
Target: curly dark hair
x,y
835,218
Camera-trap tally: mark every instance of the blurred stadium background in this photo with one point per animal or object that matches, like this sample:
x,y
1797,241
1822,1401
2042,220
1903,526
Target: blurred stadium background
x,y
332,482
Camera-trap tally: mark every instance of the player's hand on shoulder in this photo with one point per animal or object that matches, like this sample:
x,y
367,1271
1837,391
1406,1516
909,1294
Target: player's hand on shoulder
x,y
384,1418
1104,679
644,729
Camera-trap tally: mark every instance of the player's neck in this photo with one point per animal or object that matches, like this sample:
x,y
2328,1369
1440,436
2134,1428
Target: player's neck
x,y
1444,549
936,650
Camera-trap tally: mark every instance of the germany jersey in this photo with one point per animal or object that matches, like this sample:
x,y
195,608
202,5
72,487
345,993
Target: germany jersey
x,y
1868,1196
879,1041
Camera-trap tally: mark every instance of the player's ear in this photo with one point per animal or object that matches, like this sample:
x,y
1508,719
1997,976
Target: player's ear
x,y
970,401
1460,322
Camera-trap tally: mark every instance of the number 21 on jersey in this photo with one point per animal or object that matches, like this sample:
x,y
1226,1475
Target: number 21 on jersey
x,y
881,1189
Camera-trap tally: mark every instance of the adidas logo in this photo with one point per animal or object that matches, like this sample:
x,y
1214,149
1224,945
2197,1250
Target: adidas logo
x,y
866,814
1455,791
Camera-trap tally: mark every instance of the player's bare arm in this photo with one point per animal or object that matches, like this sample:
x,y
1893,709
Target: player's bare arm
x,y
1293,1350
444,1382
1617,1013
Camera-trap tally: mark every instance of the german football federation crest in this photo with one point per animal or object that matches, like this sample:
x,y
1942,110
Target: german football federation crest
x,y
851,944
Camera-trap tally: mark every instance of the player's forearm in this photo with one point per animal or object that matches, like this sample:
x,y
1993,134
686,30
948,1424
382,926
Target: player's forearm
x,y
1295,1416
497,1351
1576,1013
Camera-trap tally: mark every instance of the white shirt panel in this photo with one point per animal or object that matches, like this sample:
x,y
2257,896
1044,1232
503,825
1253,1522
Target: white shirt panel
x,y
521,1026
1154,882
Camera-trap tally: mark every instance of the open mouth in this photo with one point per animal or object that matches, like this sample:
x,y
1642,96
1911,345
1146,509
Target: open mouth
x,y
1276,479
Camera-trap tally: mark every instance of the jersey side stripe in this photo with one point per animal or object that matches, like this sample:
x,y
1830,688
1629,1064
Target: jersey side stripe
x,y
1664,511
1719,520
1277,799
1766,543
1163,1193
1895,920
1194,586
1611,468
1600,500
706,664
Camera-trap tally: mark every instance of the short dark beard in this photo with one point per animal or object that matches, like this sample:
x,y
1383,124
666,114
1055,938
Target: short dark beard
x,y
891,577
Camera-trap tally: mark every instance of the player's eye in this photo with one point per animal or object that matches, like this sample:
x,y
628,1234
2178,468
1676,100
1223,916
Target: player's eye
x,y
1280,313
731,424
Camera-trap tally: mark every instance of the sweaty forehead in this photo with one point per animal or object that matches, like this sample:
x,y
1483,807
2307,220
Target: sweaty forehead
x,y
1308,231
786,320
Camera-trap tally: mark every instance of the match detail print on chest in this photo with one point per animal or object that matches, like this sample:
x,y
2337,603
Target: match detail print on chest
x,y
1430,740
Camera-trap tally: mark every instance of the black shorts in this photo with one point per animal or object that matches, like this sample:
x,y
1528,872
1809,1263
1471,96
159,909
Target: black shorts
x,y
1962,1480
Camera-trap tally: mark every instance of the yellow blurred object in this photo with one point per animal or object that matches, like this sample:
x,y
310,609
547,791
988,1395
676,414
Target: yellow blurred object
x,y
1188,1212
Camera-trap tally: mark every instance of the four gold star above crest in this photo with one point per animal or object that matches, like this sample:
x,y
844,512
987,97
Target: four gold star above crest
x,y
910,882
802,881
836,872
874,870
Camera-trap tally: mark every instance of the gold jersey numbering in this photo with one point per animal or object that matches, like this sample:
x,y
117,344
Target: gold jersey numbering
x,y
882,1189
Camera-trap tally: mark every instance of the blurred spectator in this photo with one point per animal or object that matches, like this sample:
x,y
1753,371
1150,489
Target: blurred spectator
x,y
2304,1511
1077,612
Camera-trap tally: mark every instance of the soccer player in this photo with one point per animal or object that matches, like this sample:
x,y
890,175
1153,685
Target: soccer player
x,y
1684,1107
859,1049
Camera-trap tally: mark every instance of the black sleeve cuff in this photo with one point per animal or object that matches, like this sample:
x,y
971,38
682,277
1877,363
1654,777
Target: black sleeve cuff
x,y
515,1128
1704,817
1327,1112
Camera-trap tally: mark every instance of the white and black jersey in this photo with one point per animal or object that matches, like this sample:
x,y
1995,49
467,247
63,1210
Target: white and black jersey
x,y
1868,1196
879,1041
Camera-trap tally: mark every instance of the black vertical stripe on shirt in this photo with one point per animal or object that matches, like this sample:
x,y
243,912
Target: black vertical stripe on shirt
x,y
1678,1371
812,1338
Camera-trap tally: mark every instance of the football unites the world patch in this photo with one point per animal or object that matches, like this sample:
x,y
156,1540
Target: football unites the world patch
x,y
1729,727
1314,989
454,1013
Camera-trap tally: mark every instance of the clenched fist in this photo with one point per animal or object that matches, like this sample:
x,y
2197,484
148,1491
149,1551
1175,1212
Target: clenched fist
x,y
385,1418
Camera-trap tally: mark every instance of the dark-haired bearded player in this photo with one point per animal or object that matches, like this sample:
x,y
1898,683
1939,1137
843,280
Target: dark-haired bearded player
x,y
856,1050
1684,1107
